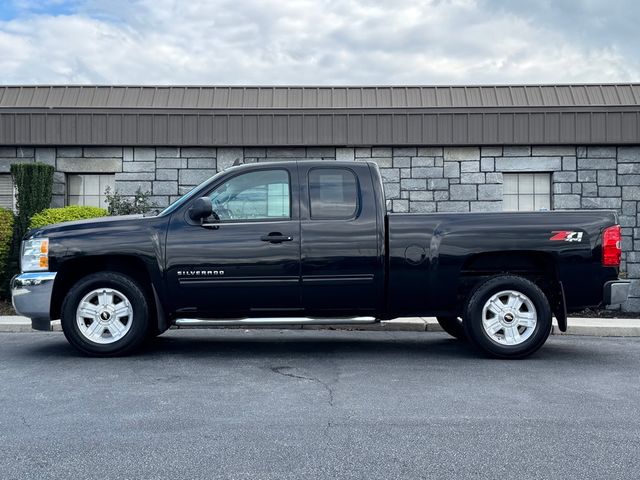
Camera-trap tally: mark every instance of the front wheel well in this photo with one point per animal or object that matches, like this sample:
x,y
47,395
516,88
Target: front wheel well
x,y
73,270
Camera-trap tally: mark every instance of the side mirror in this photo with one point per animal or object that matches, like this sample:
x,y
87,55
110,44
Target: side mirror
x,y
200,209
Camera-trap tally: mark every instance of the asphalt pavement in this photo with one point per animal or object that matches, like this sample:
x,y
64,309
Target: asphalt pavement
x,y
296,404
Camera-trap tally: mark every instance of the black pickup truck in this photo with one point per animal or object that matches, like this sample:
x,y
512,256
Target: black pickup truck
x,y
293,243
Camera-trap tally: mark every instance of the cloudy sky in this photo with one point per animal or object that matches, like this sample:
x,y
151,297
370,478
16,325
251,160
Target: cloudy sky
x,y
318,41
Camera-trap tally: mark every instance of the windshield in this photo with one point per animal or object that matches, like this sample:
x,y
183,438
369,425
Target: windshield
x,y
187,196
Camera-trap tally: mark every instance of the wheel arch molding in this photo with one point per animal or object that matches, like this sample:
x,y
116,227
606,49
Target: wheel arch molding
x,y
142,270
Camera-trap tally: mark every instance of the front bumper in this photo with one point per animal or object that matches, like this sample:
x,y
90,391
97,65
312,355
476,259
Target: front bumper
x,y
616,292
31,297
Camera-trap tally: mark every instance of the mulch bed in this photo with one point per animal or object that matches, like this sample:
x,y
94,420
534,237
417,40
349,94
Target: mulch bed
x,y
604,313
6,308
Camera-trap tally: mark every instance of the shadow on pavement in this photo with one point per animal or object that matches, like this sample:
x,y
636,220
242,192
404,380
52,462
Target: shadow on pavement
x,y
266,344
350,343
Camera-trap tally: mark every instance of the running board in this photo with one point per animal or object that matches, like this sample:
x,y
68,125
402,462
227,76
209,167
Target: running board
x,y
235,322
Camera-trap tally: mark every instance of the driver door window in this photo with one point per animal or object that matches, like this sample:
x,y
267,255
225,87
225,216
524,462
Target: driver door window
x,y
253,196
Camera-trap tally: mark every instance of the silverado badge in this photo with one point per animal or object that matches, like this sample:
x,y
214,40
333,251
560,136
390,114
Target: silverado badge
x,y
200,273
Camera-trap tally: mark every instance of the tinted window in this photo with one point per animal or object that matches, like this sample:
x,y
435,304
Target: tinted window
x,y
333,193
262,195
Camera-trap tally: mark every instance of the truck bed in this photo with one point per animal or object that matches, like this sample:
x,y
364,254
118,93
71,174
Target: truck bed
x,y
429,255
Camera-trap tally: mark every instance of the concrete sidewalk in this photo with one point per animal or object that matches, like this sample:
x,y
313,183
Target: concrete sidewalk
x,y
599,327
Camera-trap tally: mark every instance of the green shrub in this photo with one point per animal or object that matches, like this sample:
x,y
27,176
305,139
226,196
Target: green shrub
x,y
118,204
34,183
6,239
65,214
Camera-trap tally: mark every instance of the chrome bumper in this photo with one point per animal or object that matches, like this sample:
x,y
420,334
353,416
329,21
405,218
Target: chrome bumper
x,y
616,292
31,297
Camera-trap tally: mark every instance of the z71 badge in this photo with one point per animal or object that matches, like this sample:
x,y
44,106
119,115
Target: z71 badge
x,y
566,236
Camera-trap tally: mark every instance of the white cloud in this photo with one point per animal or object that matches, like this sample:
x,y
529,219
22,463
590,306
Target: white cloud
x,y
301,42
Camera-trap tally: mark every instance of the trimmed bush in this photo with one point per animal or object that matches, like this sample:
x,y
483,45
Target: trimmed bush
x,y
6,239
34,184
65,214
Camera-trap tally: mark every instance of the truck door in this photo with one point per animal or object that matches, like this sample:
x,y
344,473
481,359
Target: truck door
x,y
247,261
341,249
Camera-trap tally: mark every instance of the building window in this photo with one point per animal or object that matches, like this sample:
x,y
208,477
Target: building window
x,y
526,191
7,195
89,189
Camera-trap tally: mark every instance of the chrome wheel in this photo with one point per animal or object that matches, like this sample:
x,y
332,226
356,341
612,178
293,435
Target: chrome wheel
x,y
104,316
509,317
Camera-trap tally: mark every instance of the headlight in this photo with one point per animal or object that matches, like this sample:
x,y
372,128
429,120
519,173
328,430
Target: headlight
x,y
35,255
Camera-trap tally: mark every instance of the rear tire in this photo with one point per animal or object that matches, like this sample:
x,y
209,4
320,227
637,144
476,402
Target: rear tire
x,y
453,326
508,317
105,314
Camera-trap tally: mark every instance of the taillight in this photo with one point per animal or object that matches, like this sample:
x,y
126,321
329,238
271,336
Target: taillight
x,y
611,250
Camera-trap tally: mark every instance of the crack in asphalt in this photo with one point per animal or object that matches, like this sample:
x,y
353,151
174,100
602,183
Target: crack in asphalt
x,y
327,387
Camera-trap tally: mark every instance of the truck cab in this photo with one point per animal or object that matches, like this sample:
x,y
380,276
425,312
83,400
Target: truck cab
x,y
276,243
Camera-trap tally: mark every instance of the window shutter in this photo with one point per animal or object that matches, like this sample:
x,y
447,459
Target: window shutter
x,y
6,192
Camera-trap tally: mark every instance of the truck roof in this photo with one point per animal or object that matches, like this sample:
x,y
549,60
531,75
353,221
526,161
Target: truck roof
x,y
323,163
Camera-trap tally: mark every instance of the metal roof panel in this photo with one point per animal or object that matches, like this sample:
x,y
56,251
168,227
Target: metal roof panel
x,y
383,97
594,94
458,96
130,96
519,96
172,97
70,97
564,94
443,97
85,96
625,94
319,97
55,97
580,96
25,95
339,98
280,98
325,96
549,96
610,94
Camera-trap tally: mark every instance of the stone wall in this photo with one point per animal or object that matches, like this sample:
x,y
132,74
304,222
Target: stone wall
x,y
417,179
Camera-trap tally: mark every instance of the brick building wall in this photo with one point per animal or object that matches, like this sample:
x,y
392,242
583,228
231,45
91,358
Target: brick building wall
x,y
417,179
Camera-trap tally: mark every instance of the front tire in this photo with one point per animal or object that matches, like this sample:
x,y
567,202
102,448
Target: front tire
x,y
508,317
105,314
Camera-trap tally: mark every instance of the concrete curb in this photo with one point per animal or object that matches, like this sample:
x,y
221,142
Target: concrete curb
x,y
18,324
597,327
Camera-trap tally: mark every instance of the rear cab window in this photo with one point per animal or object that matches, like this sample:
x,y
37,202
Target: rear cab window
x,y
334,193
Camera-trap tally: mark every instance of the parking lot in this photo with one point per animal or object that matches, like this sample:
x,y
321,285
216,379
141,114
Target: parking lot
x,y
318,404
